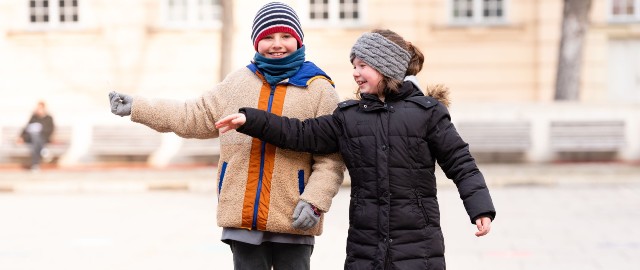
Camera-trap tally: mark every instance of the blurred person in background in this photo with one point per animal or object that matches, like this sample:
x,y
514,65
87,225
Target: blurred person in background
x,y
37,133
270,201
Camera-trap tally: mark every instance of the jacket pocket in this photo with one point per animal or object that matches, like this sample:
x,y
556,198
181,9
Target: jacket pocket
x,y
223,170
353,205
421,206
301,181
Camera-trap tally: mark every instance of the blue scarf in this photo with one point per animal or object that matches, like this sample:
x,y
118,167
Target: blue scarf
x,y
276,70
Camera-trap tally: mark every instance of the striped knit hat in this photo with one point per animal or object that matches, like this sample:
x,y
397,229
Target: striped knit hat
x,y
276,17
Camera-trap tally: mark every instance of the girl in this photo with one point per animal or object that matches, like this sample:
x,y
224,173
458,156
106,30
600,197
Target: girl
x,y
390,140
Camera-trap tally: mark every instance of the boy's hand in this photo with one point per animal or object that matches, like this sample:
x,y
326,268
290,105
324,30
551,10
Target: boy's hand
x,y
230,122
484,226
305,216
120,103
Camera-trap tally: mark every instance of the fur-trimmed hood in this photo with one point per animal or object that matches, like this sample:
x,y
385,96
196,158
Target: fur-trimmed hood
x,y
439,92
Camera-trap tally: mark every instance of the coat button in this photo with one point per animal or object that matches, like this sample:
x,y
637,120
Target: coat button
x,y
365,106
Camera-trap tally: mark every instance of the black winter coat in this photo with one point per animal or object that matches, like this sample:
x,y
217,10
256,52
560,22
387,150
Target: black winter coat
x,y
47,127
390,149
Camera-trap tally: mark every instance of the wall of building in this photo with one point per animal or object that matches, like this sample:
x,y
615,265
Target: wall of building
x,y
122,45
500,72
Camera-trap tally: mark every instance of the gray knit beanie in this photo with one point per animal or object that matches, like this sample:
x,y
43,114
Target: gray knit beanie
x,y
382,54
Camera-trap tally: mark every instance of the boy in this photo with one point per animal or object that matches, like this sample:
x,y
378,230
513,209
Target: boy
x,y
270,200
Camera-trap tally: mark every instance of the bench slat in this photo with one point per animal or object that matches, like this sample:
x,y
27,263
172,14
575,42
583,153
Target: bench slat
x,y
492,136
130,140
587,136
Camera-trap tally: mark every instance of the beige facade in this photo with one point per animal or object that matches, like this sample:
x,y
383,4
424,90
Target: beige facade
x,y
128,46
500,71
125,45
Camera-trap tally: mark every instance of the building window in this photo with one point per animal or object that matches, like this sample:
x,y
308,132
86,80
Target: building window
x,y
319,9
478,11
349,9
625,10
53,12
334,11
192,12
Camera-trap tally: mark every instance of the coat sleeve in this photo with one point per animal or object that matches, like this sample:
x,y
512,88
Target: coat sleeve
x,y
327,170
25,136
315,135
48,127
194,118
453,156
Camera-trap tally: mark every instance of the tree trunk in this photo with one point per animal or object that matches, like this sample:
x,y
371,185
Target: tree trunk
x,y
575,22
226,37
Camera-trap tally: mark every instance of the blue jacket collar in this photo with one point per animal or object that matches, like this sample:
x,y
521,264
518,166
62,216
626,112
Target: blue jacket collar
x,y
305,75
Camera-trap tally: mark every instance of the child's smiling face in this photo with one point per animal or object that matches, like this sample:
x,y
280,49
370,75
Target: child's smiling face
x,y
277,45
367,78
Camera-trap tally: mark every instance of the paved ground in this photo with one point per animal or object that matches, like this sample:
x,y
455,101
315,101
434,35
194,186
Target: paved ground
x,y
548,218
199,178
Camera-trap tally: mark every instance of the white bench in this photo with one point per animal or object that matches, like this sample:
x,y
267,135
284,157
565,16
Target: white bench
x,y
123,142
199,147
496,141
587,135
198,151
60,142
496,136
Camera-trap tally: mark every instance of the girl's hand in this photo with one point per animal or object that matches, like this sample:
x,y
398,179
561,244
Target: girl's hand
x,y
484,226
232,121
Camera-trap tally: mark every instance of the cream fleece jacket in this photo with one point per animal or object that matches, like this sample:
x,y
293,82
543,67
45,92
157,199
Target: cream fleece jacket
x,y
242,157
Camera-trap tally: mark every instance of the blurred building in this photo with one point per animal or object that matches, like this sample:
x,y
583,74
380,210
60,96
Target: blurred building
x,y
484,49
72,52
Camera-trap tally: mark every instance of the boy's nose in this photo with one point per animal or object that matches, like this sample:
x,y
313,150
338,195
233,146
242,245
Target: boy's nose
x,y
277,42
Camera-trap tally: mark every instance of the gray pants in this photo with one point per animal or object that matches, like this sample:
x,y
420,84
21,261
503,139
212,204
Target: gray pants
x,y
37,143
263,257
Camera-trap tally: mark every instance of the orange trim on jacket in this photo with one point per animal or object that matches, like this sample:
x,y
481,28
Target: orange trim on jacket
x,y
255,210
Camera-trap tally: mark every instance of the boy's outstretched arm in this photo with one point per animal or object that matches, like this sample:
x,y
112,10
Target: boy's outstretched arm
x,y
192,118
232,121
484,226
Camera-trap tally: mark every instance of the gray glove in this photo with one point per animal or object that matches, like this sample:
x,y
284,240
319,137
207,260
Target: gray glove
x,y
120,103
305,216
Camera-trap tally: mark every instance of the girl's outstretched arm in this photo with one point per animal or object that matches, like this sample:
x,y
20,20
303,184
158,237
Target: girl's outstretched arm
x,y
315,135
232,121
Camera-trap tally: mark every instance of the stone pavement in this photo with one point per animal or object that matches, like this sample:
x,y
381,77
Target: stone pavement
x,y
549,217
554,227
201,178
